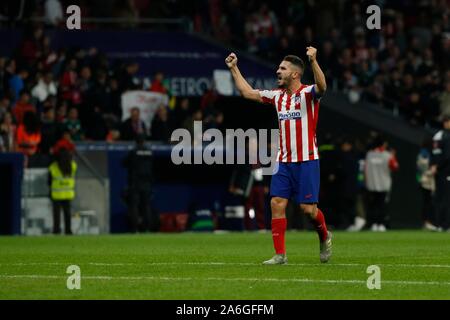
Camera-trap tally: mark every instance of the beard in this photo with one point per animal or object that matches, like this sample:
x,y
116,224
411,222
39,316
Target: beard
x,y
283,85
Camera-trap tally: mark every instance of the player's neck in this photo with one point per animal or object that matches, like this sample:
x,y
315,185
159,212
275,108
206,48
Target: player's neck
x,y
294,87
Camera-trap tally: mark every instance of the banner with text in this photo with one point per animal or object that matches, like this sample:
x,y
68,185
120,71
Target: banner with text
x,y
147,102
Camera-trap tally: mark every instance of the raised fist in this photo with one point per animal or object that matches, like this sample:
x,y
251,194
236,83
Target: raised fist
x,y
311,53
231,60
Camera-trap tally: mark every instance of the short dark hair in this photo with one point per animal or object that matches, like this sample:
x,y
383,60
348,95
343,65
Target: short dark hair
x,y
295,60
379,141
445,117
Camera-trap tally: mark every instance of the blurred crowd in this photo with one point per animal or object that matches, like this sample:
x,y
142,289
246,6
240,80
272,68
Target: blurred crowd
x,y
50,97
403,67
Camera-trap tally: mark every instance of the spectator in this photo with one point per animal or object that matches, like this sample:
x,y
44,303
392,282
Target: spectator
x,y
209,99
44,88
444,100
17,83
440,166
10,71
50,58
219,122
22,106
69,83
53,12
188,124
2,75
97,127
8,133
180,114
160,129
133,126
214,120
61,112
73,125
115,105
31,47
328,178
29,134
64,143
128,80
127,12
85,83
113,136
241,182
258,188
4,106
50,130
101,93
158,84
380,162
427,184
347,181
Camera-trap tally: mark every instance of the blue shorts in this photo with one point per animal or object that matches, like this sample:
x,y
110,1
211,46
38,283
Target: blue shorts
x,y
297,180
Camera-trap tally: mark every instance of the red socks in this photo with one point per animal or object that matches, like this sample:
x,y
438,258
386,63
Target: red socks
x,y
319,224
278,231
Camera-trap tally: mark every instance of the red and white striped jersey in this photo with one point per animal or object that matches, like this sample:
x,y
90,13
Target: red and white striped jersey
x,y
297,120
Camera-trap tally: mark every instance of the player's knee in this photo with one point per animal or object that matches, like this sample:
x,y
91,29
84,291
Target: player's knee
x,y
308,209
278,204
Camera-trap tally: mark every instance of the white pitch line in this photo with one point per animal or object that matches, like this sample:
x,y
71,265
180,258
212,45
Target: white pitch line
x,y
302,280
226,264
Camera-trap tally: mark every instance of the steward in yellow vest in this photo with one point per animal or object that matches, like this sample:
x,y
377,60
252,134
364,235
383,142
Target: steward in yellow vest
x,y
62,189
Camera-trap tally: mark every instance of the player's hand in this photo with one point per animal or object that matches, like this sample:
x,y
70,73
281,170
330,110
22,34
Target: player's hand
x,y
231,60
311,52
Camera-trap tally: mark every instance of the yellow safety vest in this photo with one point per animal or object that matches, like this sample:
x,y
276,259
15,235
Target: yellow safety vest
x,y
62,188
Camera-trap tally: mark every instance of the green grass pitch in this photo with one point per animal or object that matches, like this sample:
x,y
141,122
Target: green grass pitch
x,y
413,264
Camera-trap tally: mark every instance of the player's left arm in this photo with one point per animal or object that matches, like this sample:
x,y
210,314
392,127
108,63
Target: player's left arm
x,y
320,85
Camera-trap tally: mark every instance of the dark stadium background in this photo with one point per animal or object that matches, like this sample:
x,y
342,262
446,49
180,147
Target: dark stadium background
x,y
410,32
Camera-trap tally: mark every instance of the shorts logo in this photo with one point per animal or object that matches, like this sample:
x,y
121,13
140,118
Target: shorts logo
x,y
290,115
308,196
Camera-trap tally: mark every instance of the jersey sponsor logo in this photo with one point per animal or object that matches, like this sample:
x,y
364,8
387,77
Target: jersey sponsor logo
x,y
290,115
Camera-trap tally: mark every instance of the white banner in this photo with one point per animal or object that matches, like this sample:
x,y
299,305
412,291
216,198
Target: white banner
x,y
223,82
148,102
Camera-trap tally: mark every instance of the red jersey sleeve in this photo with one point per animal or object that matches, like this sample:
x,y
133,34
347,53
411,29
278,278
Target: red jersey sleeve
x,y
268,96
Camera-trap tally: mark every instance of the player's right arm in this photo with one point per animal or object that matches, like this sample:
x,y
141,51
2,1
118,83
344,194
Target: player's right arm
x,y
241,84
